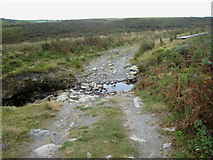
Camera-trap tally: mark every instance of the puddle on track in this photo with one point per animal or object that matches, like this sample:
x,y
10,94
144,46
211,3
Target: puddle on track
x,y
120,86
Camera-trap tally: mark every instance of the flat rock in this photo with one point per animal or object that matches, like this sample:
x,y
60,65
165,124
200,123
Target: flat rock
x,y
130,157
39,132
72,101
109,156
46,150
93,84
89,155
87,105
75,97
135,138
72,124
169,129
130,77
84,98
85,86
137,101
132,73
167,145
48,98
73,139
62,97
133,68
94,69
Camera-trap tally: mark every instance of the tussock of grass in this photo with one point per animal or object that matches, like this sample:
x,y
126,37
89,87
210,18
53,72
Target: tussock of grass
x,y
146,44
87,108
18,121
84,127
99,104
113,100
78,106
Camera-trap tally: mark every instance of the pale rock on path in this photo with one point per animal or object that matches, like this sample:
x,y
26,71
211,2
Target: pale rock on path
x,y
143,127
46,150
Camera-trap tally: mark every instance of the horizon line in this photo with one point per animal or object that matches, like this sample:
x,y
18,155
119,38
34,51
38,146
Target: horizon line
x,y
111,18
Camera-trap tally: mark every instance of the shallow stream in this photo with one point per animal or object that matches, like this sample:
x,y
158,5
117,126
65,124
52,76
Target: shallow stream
x,y
120,86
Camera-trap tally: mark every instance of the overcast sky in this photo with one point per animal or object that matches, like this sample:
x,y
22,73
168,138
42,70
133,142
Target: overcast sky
x,y
82,9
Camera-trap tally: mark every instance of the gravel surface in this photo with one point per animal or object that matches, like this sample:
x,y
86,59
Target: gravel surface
x,y
111,67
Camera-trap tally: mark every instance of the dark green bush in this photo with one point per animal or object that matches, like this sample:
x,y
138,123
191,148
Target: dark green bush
x,y
203,141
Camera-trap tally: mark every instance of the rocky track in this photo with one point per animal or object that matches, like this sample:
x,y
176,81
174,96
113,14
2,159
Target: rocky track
x,y
100,75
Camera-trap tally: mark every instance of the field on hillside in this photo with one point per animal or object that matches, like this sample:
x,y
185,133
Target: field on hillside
x,y
26,31
175,79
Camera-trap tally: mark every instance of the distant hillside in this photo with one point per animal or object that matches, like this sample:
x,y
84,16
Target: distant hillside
x,y
15,31
14,23
10,22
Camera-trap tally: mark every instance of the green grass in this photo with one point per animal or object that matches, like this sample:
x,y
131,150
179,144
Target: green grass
x,y
18,121
63,54
96,100
87,108
99,104
152,103
84,127
108,136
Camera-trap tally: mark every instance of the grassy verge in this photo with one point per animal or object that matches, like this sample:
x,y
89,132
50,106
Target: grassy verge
x,y
176,78
63,54
107,137
18,121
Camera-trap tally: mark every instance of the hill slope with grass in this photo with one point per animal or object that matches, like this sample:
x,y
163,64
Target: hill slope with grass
x,y
20,31
177,78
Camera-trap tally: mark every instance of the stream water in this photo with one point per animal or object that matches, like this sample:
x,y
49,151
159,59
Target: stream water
x,y
120,86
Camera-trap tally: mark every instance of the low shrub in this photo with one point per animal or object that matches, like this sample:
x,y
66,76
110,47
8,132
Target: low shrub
x,y
146,44
202,143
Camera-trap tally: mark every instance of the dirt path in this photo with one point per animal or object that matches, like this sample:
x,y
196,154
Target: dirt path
x,y
112,67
